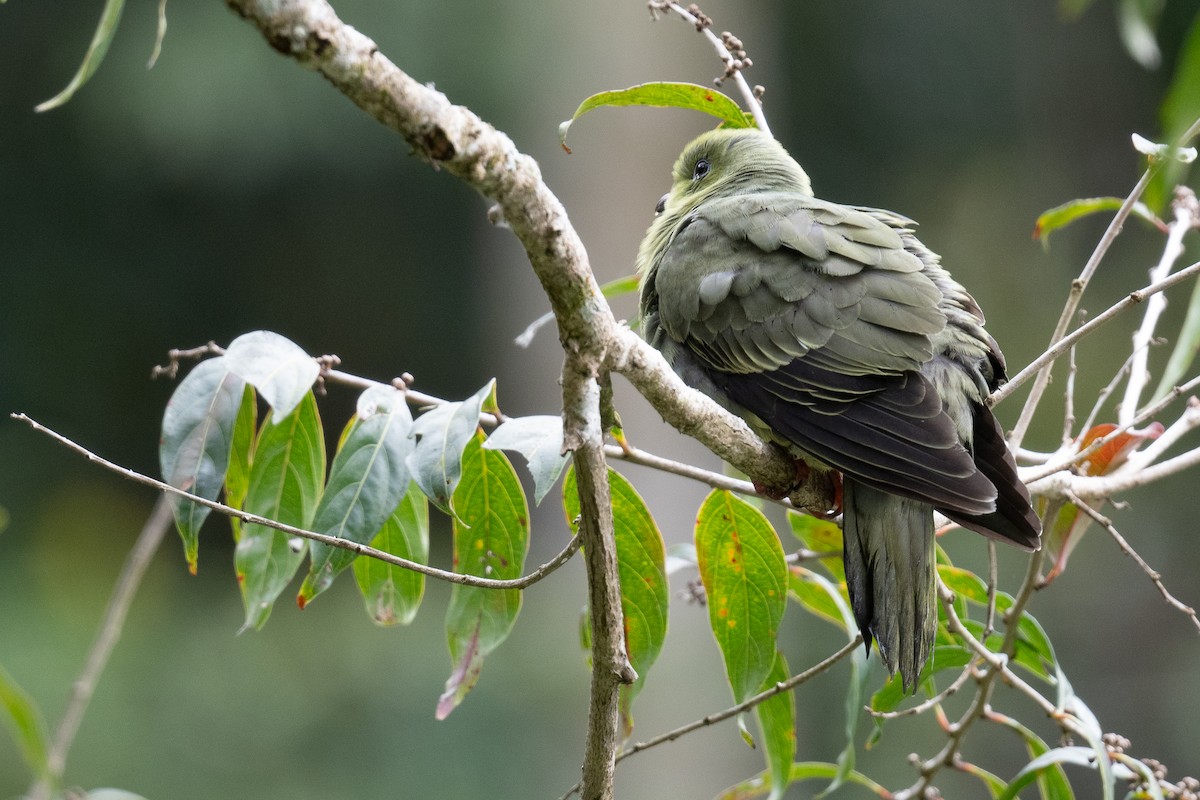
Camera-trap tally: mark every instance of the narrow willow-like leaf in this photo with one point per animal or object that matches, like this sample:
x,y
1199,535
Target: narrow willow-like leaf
x,y
1052,782
101,39
665,95
285,485
491,539
159,34
237,479
841,614
539,439
25,721
1179,110
276,366
1044,764
1136,23
777,720
368,478
1073,210
392,593
760,785
745,578
197,439
641,567
1187,345
820,536
442,435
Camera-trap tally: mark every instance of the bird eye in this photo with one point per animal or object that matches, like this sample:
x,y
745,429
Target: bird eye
x,y
702,168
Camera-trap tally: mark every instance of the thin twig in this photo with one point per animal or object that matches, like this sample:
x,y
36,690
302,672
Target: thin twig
x,y
1039,366
733,711
1106,392
1029,476
1128,550
111,626
733,68
1172,250
929,703
1068,313
333,541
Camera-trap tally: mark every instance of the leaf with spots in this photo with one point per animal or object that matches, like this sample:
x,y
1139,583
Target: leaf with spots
x,y
491,539
641,565
745,579
285,484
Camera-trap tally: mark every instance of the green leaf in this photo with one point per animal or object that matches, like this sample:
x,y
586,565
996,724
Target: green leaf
x,y
539,439
1187,344
641,567
1073,9
392,593
760,785
820,536
777,721
101,39
112,794
25,721
665,95
1179,110
197,439
159,34
1052,781
241,455
1072,210
442,435
1048,761
368,478
285,485
491,539
994,784
276,366
745,578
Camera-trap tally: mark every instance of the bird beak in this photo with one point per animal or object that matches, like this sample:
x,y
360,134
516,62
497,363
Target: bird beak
x,y
662,203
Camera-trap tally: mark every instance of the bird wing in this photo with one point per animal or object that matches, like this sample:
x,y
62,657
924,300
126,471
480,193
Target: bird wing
x,y
816,319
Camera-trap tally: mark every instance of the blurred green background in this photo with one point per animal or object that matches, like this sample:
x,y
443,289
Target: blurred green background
x,y
226,190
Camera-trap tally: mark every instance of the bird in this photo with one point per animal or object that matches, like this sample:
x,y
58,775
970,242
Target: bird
x,y
838,336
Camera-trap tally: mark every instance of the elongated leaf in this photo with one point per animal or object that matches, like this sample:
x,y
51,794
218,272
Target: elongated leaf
x,y
392,593
1136,23
25,721
1052,781
442,435
237,478
281,371
1049,760
777,721
491,539
745,577
641,567
366,483
101,39
945,657
1072,210
760,785
197,439
539,439
1179,110
665,95
1187,344
285,485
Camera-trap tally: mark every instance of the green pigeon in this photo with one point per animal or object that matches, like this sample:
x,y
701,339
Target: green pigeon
x,y
837,335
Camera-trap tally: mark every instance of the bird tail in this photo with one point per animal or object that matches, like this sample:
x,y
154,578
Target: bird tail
x,y
889,558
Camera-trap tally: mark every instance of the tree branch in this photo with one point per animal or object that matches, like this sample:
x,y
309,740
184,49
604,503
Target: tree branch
x,y
333,541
